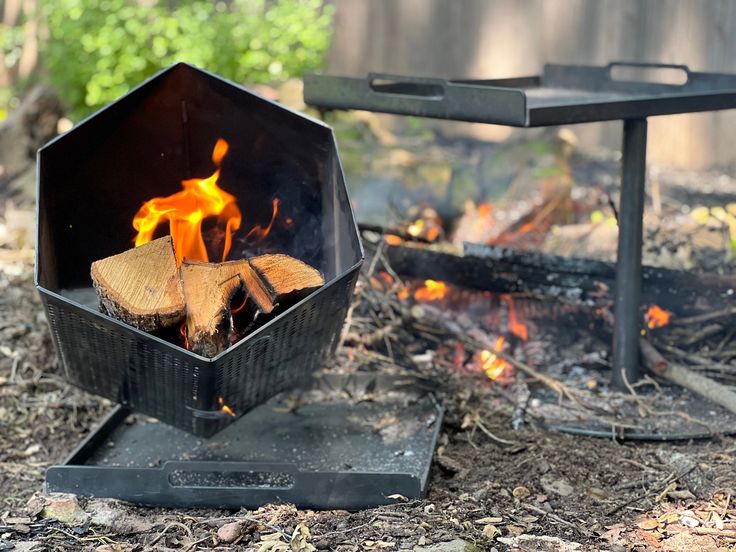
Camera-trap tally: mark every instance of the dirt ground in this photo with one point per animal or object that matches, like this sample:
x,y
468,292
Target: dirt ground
x,y
494,488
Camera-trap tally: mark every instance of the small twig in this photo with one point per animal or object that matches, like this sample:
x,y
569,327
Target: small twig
x,y
557,518
191,545
698,318
702,333
376,256
662,484
485,430
169,526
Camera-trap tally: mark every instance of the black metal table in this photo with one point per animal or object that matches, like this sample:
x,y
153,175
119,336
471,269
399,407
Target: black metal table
x,y
563,94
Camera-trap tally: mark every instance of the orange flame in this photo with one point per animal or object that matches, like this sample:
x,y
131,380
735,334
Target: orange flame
x,y
657,317
225,408
259,231
491,363
185,211
392,239
184,335
516,326
431,291
240,307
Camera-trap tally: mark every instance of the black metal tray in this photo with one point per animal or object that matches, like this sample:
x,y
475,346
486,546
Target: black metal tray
x,y
563,94
346,450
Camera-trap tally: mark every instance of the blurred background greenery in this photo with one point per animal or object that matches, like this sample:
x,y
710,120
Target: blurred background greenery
x,y
93,51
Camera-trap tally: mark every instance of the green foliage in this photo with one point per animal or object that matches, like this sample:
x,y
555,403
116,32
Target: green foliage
x,y
98,49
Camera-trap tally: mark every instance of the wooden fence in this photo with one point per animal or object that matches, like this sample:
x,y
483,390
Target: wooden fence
x,y
499,38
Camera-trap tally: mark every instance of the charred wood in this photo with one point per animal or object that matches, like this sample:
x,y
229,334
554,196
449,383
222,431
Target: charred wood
x,y
498,269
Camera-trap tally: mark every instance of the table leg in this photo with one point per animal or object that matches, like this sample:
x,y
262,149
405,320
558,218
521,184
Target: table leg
x,y
627,324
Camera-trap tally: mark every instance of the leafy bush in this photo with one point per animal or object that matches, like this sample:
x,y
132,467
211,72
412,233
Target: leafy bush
x,y
97,49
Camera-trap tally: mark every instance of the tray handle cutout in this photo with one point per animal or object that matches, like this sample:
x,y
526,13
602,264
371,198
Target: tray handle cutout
x,y
653,73
422,88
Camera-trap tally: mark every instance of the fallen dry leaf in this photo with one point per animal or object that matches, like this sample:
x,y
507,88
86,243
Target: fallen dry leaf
x,y
487,520
648,524
651,539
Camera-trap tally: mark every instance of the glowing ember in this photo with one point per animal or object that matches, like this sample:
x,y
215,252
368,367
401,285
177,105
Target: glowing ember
x,y
657,317
485,210
516,326
240,307
426,229
431,291
183,335
492,365
416,228
185,211
225,408
392,239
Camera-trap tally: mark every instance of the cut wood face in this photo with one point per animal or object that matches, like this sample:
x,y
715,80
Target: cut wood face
x,y
141,286
285,275
255,287
209,289
144,288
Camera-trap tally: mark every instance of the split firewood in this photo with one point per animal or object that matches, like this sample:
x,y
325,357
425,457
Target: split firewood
x,y
256,290
286,277
144,288
141,286
208,290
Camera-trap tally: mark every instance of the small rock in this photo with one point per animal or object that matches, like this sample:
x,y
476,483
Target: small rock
x,y
115,518
449,465
64,508
559,486
229,532
688,519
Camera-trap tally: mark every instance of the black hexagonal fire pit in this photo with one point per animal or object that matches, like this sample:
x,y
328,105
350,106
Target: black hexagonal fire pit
x,y
92,181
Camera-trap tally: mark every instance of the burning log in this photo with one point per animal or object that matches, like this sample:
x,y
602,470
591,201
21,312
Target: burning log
x,y
208,290
141,286
591,282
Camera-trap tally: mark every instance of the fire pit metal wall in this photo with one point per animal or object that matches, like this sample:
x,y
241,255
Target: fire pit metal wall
x,y
92,180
